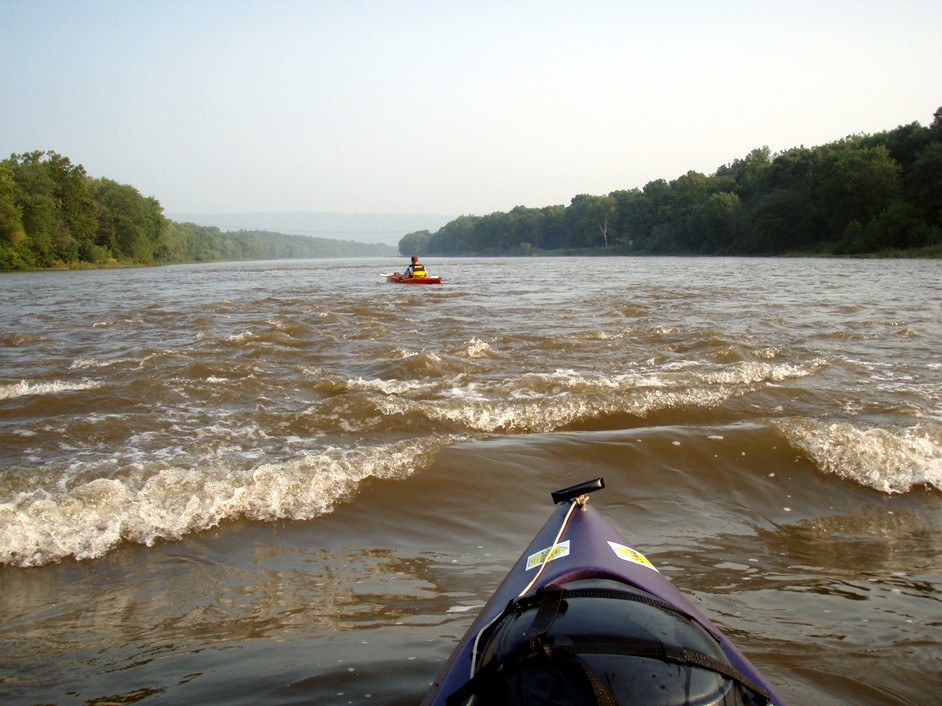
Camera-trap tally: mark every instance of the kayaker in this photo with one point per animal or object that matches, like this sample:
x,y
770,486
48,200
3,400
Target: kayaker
x,y
415,269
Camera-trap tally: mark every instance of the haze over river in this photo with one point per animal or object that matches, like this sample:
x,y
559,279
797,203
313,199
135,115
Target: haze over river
x,y
294,482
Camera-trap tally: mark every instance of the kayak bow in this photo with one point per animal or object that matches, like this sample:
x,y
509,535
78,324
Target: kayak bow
x,y
582,618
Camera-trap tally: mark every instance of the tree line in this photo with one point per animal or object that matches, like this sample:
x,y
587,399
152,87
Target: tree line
x,y
52,214
865,194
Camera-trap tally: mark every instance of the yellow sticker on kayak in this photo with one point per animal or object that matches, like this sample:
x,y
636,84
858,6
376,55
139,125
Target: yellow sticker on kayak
x,y
547,555
629,554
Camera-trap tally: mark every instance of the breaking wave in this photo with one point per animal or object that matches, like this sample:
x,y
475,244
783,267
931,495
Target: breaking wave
x,y
887,460
275,396
26,388
89,519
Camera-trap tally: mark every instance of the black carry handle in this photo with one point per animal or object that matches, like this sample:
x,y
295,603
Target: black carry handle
x,y
574,491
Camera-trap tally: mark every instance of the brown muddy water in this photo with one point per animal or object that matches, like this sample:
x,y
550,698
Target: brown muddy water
x,y
294,482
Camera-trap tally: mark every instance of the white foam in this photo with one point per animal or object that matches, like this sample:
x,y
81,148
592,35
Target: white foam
x,y
479,349
25,388
387,387
87,363
756,372
540,402
89,519
464,608
888,460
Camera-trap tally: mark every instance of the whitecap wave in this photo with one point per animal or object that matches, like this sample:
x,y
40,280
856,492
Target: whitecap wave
x,y
479,349
538,402
755,372
88,520
25,388
389,387
84,363
887,460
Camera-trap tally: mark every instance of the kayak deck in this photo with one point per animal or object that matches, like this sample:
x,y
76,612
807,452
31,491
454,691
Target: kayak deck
x,y
399,279
574,564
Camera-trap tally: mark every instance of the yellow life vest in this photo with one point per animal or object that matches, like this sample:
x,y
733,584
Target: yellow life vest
x,y
418,271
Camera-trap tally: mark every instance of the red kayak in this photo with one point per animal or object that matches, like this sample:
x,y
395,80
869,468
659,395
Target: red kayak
x,y
398,278
583,618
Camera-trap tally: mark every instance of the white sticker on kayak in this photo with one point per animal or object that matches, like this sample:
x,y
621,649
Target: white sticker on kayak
x,y
557,551
629,554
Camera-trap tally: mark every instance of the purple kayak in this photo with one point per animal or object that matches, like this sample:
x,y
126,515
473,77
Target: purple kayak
x,y
582,618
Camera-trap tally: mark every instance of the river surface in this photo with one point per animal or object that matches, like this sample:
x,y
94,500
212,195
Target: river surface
x,y
294,482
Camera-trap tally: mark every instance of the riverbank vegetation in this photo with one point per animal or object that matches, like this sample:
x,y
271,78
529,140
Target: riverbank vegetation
x,y
52,214
878,195
864,195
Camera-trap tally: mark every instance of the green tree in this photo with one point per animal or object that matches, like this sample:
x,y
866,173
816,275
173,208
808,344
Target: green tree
x,y
904,143
924,183
635,217
689,204
78,218
590,220
749,173
56,211
775,224
414,243
129,225
856,182
12,234
34,194
713,221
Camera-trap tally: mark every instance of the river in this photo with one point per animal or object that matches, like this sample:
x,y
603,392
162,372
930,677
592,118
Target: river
x,y
293,482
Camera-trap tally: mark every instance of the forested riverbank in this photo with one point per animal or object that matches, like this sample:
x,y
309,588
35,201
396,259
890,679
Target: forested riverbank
x,y
863,195
53,214
877,194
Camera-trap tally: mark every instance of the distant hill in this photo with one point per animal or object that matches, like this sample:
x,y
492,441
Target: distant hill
x,y
386,228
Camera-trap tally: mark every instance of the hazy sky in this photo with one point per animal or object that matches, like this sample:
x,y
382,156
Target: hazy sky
x,y
447,107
